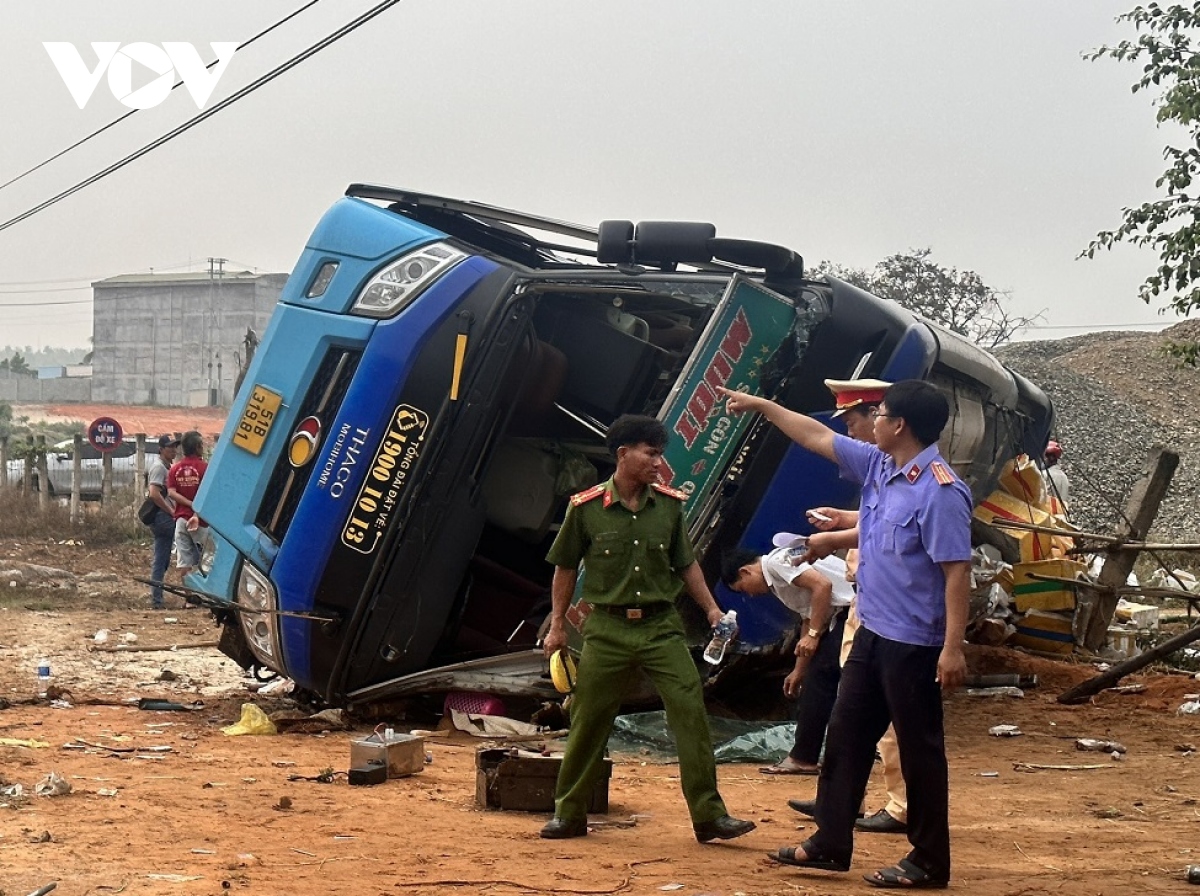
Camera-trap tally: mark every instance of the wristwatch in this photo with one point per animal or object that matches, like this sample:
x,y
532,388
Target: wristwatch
x,y
813,633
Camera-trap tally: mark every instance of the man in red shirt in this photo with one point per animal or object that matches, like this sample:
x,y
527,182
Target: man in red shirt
x,y
183,481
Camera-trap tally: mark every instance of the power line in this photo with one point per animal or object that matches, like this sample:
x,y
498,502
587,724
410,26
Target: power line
x,y
120,118
22,292
207,113
44,304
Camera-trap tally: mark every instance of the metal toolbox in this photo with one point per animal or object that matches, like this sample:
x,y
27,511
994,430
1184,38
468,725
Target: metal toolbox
x,y
508,779
403,754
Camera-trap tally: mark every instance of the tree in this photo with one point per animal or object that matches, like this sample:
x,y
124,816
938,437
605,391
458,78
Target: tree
x,y
1171,224
17,364
958,300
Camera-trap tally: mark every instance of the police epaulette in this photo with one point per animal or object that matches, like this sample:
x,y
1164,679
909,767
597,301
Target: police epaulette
x,y
940,473
583,497
670,492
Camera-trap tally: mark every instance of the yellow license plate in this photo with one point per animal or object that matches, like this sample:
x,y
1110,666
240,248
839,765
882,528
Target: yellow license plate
x,y
256,420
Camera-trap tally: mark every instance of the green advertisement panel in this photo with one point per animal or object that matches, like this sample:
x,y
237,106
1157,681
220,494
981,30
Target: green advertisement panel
x,y
741,337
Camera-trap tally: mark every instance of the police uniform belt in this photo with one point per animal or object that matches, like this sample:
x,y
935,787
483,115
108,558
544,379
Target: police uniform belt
x,y
628,611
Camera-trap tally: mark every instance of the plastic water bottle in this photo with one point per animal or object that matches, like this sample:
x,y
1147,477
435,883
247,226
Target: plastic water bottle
x,y
43,677
722,635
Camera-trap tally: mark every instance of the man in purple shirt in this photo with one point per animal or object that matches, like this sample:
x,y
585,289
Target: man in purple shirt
x,y
914,580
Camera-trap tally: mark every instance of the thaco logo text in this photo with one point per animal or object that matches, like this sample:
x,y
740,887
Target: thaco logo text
x,y
171,59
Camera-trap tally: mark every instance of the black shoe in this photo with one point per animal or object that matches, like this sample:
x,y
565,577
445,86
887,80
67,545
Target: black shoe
x,y
724,828
809,808
881,823
562,828
804,807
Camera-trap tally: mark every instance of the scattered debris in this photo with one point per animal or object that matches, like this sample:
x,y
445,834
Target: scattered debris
x,y
995,692
1005,731
1035,767
299,722
53,784
152,705
1094,745
1127,689
253,721
284,804
324,776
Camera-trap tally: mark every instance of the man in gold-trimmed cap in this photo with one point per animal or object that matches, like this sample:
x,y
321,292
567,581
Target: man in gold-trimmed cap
x,y
851,393
854,400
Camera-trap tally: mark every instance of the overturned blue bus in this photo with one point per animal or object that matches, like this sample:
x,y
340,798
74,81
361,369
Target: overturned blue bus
x,y
438,378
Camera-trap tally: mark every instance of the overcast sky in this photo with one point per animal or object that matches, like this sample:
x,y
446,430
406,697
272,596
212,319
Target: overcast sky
x,y
845,129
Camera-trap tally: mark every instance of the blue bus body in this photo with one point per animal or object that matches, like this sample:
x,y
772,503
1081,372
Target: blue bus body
x,y
437,380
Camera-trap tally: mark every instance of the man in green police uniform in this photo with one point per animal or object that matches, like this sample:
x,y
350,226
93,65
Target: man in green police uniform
x,y
630,534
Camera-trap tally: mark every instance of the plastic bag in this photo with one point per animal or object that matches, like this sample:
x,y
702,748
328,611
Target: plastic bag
x,y
53,784
253,721
733,740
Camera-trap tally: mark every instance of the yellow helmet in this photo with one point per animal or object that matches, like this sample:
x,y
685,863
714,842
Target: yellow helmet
x,y
562,671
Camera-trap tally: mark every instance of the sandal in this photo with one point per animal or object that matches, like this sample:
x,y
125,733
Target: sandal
x,y
786,855
905,875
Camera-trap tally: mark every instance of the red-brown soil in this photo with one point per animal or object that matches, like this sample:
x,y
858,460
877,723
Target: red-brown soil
x,y
217,813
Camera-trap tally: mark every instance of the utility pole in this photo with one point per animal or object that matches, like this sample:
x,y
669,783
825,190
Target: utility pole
x,y
216,272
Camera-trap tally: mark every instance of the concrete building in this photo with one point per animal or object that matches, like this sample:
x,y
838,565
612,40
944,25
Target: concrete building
x,y
177,339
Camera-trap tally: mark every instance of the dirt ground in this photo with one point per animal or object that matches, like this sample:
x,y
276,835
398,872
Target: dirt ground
x,y
149,419
163,802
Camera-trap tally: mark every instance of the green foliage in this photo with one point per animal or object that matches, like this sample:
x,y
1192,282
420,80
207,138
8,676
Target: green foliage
x,y
1185,354
17,364
1166,48
958,300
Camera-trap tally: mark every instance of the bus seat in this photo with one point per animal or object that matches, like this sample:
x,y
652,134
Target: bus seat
x,y
519,489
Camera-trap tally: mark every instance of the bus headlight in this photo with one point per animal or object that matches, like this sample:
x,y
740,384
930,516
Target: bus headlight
x,y
393,288
257,600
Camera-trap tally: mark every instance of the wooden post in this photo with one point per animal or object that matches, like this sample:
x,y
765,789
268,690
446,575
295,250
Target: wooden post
x,y
139,468
105,477
76,477
1140,510
3,461
43,475
1086,689
27,470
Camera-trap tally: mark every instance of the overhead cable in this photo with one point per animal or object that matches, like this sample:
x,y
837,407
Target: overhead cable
x,y
207,113
120,118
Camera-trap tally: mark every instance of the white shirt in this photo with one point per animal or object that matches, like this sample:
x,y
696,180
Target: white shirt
x,y
779,573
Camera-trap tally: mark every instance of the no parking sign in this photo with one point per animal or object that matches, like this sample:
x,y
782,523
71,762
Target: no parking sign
x,y
104,434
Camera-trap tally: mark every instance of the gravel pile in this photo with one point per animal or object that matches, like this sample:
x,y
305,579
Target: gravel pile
x,y
1115,396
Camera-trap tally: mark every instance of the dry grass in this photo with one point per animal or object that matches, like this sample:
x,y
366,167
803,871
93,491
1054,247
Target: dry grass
x,y
111,522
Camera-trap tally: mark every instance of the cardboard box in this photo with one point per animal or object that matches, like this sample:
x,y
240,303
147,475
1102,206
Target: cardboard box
x,y
1045,631
1023,480
505,779
1003,506
1143,616
403,754
1030,593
